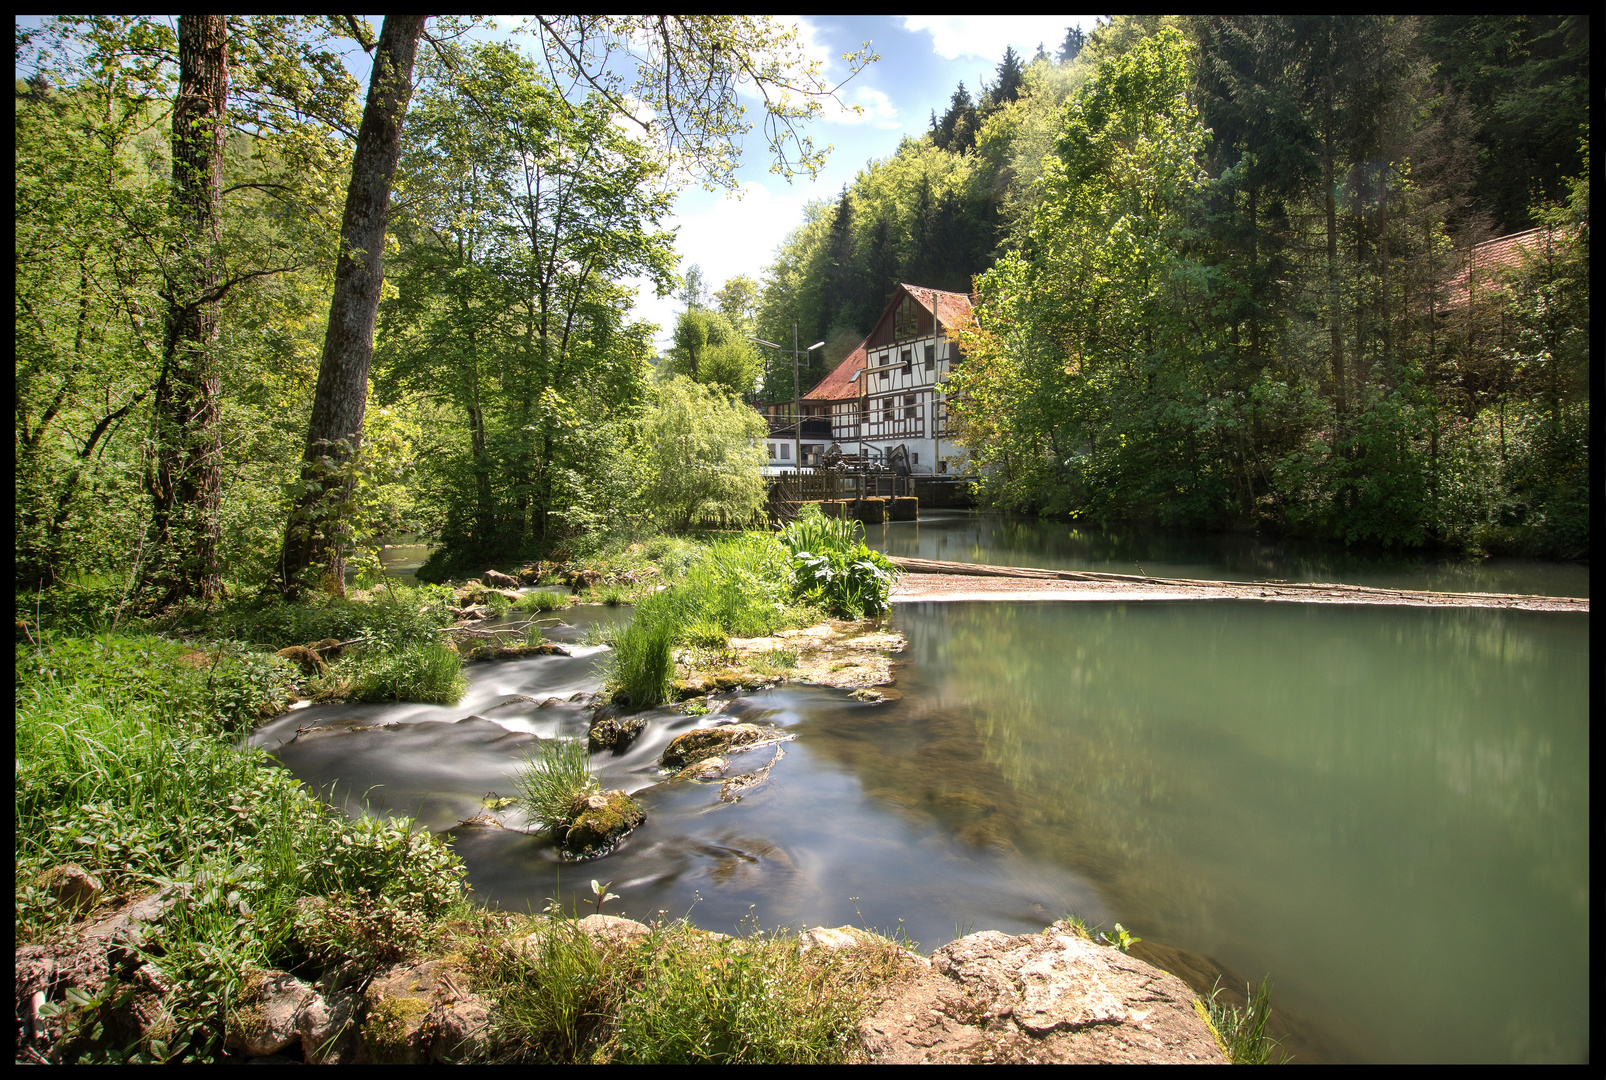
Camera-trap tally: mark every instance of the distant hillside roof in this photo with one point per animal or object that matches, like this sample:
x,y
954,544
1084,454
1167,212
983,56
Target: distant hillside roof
x,y
1487,259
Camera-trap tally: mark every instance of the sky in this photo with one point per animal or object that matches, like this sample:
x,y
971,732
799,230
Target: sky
x,y
923,57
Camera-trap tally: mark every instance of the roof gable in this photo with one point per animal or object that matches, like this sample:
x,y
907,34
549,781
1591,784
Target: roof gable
x,y
932,308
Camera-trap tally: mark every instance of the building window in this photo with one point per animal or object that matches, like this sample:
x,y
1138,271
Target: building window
x,y
909,407
786,451
914,458
885,375
942,466
931,357
886,408
772,450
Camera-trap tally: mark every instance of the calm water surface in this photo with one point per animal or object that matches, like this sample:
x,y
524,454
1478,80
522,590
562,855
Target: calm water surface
x,y
960,536
1383,808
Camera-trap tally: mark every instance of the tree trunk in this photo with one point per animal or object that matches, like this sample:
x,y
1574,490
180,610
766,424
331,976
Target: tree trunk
x,y
316,535
185,476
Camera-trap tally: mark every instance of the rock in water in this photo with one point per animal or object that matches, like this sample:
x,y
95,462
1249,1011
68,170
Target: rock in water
x,y
604,820
500,580
1053,997
716,741
614,733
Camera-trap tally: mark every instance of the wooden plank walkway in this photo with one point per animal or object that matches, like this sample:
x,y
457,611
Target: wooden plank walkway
x,y
945,580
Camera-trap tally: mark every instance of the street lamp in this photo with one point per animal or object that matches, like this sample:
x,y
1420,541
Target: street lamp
x,y
797,404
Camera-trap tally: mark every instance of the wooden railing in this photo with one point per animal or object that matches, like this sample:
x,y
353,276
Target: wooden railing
x,y
814,485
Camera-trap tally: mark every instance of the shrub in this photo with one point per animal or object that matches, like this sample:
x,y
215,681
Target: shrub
x,y
555,775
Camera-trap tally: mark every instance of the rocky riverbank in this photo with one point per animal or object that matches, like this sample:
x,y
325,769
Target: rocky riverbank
x,y
1051,998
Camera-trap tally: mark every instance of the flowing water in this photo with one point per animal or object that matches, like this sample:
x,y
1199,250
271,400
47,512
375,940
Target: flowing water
x,y
1384,808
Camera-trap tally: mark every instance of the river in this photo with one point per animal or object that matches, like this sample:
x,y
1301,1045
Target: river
x,y
1383,808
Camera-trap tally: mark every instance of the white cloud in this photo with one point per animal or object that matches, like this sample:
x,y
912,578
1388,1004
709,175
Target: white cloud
x,y
725,236
878,109
985,37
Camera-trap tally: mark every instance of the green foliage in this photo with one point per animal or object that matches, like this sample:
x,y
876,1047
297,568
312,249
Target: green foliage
x,y
710,350
834,568
642,664
741,587
397,616
123,769
702,457
541,600
427,671
1242,1032
681,995
734,1002
554,776
1220,305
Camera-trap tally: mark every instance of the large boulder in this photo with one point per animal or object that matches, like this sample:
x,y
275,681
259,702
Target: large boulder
x,y
1053,997
716,742
603,820
501,580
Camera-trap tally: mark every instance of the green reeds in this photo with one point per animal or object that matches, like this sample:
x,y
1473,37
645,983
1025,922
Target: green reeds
x,y
541,600
1242,1032
554,776
429,673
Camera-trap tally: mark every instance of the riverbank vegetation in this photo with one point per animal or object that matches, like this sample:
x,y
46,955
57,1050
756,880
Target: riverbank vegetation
x,y
749,586
1222,267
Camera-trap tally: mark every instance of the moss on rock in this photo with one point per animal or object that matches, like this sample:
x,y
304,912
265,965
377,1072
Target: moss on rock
x,y
601,821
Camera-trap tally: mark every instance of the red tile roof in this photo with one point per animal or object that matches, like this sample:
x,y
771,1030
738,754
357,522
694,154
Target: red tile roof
x,y
836,386
950,309
1482,269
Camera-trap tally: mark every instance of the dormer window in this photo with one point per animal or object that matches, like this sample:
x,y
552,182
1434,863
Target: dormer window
x,y
906,320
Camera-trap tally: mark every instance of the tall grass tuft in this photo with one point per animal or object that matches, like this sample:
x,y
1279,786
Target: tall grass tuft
x,y
541,600
429,673
1242,1032
644,659
554,776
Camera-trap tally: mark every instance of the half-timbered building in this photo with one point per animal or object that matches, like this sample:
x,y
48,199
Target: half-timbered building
x,y
888,392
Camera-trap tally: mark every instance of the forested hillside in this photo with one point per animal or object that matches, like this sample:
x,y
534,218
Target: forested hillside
x,y
1223,275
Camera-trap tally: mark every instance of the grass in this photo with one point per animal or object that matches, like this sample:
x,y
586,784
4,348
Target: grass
x,y
742,587
428,672
541,600
554,776
680,995
611,594
126,767
643,662
1241,1033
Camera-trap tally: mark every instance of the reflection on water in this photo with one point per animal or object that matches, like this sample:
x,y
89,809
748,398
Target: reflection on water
x,y
1384,808
958,536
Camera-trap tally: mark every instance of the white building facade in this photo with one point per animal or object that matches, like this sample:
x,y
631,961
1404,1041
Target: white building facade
x,y
888,393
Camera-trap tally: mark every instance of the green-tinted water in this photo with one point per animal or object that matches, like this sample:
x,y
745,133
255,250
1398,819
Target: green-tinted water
x,y
1384,808
1056,544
